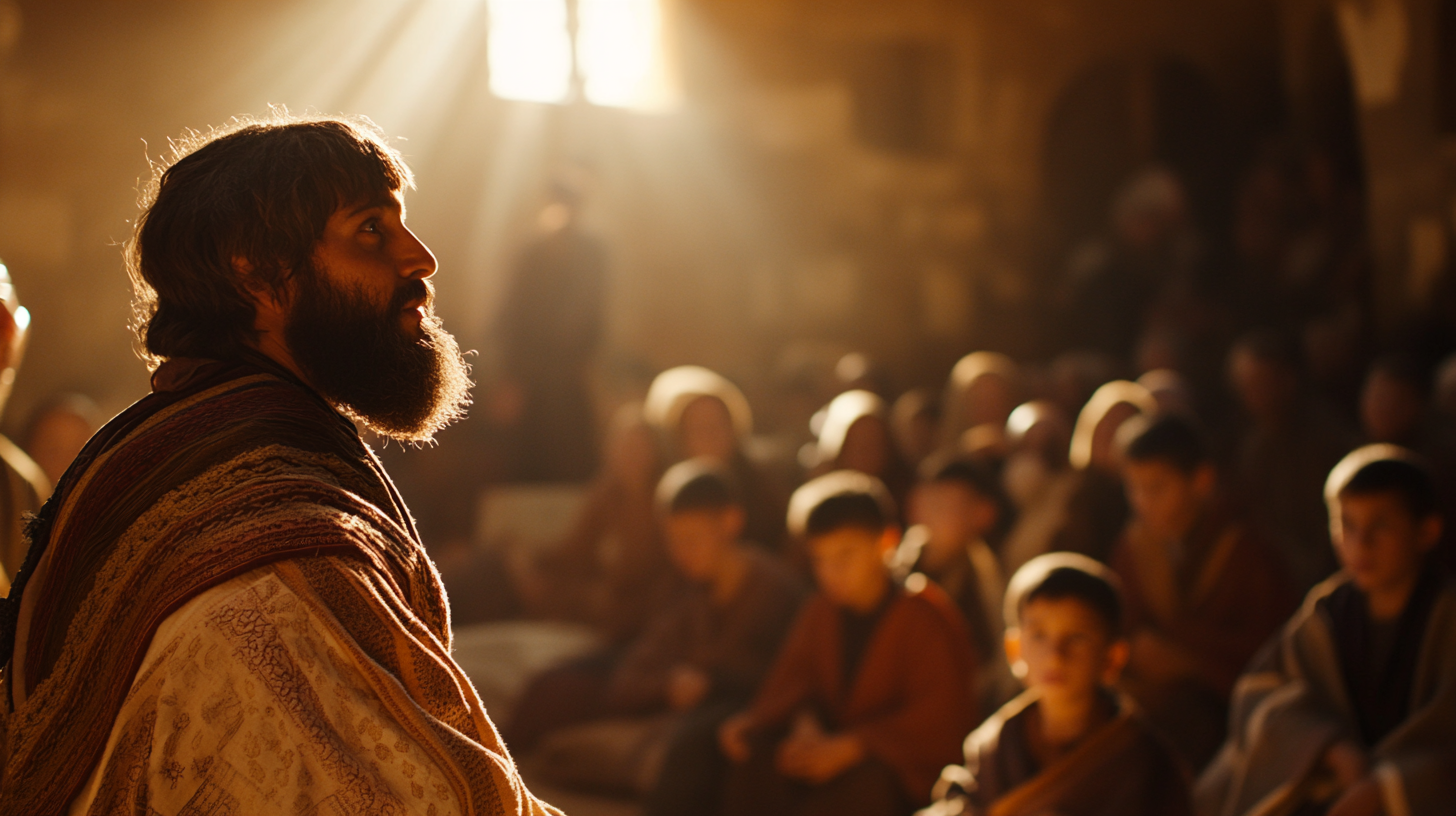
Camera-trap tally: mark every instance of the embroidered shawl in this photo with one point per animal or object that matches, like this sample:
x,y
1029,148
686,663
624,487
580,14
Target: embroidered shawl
x,y
225,467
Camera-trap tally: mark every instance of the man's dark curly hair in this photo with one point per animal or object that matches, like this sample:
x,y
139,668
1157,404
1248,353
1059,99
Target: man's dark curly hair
x,y
259,191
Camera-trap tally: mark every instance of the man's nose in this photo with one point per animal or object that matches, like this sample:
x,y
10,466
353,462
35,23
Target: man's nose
x,y
416,260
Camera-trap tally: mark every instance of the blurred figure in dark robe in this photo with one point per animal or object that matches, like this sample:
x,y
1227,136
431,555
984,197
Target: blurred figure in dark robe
x,y
1202,591
1395,408
23,485
57,431
1097,509
855,435
611,571
549,328
984,387
915,423
1038,479
1284,453
1151,255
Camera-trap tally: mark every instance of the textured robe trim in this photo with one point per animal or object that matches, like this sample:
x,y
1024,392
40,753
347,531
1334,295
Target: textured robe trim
x,y
182,492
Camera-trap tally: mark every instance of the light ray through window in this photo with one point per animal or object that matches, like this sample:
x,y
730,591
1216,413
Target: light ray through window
x,y
529,50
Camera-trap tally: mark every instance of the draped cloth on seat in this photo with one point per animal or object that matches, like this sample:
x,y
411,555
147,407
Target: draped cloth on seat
x,y
224,468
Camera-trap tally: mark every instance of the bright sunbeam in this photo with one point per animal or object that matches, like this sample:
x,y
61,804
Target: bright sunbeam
x,y
620,53
530,50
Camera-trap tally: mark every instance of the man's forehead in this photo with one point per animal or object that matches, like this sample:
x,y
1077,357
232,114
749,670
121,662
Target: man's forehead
x,y
391,200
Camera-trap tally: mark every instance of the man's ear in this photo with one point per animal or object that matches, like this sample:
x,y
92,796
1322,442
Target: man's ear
x,y
271,308
1012,644
1117,656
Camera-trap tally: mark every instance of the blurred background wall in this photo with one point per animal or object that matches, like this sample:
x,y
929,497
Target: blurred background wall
x,y
902,179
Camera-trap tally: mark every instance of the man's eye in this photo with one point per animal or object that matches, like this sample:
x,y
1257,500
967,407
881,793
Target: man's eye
x,y
372,225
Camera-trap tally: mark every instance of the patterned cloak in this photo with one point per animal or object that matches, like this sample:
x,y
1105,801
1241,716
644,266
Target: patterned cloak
x,y
223,469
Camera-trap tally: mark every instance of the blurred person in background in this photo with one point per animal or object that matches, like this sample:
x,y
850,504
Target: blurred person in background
x,y
855,435
958,515
874,687
1350,712
611,570
1202,592
983,389
1038,480
26,485
705,657
1097,509
549,328
915,425
1288,444
57,431
700,413
1112,284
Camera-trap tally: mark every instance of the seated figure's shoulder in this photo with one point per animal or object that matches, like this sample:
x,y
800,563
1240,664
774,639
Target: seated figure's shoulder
x,y
924,601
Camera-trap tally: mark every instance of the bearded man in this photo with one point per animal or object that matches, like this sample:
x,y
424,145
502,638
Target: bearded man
x,y
225,607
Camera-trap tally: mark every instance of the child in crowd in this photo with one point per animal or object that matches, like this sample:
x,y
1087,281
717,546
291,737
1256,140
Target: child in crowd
x,y
702,655
872,692
1202,593
961,511
1352,710
699,412
1097,509
706,655
1069,745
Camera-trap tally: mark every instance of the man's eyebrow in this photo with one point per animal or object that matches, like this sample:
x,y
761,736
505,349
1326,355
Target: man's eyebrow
x,y
375,203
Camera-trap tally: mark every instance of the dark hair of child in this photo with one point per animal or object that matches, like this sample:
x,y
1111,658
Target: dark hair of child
x,y
1094,592
697,484
1170,439
980,477
1402,474
1062,575
840,499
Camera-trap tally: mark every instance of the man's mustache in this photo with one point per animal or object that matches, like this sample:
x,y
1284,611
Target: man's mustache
x,y
418,292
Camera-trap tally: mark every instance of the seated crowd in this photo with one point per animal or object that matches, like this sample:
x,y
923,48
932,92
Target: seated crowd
x,y
1072,609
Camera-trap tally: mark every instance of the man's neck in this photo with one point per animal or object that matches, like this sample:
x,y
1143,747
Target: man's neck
x,y
270,344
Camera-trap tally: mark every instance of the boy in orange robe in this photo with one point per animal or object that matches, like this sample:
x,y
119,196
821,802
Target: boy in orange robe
x,y
873,690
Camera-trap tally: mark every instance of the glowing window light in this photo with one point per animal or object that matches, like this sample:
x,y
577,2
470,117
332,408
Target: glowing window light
x,y
619,51
529,50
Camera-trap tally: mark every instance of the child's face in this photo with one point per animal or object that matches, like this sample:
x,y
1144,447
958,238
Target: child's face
x,y
706,429
866,447
1065,648
1166,500
849,565
1378,541
698,539
953,513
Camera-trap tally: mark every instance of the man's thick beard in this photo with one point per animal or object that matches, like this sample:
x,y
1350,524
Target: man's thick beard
x,y
361,360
